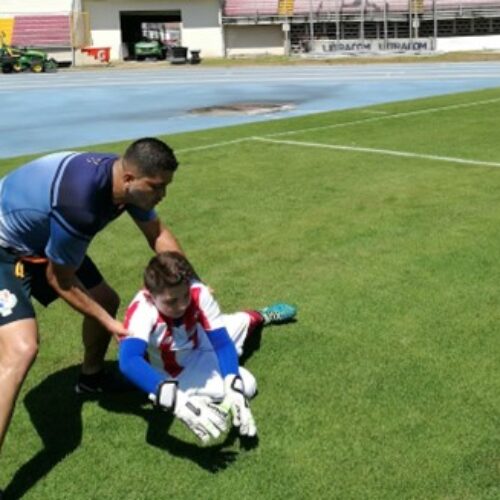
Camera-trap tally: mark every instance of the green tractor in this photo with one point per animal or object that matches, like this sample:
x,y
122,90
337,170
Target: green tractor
x,y
149,49
16,59
152,43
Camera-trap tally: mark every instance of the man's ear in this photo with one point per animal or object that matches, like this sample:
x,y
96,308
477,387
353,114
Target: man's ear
x,y
128,176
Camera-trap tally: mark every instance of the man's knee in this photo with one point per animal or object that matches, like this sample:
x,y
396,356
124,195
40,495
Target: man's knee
x,y
106,297
111,302
26,351
19,344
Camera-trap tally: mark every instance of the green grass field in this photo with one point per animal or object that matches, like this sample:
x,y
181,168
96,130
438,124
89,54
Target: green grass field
x,y
383,225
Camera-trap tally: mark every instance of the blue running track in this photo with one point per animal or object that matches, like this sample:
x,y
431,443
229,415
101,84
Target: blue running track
x,y
67,109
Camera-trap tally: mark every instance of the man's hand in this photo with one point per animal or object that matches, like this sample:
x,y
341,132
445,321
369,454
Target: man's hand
x,y
64,281
205,419
116,329
236,403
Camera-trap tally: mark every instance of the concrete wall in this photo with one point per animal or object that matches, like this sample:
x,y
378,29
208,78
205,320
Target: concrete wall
x,y
254,40
34,6
459,44
200,27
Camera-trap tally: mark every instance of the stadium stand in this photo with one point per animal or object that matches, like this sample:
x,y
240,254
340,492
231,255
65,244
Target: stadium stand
x,y
42,31
350,19
237,8
321,8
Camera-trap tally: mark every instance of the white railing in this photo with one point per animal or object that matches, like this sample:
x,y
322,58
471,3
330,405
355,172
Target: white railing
x,y
330,8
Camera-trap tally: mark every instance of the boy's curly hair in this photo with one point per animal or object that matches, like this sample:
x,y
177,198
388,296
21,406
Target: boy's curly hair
x,y
165,270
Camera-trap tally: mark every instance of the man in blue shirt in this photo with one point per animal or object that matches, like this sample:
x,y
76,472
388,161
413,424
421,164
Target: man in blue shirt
x,y
50,209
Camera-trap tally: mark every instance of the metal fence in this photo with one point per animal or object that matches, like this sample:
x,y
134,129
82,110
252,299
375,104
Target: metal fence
x,y
307,21
326,9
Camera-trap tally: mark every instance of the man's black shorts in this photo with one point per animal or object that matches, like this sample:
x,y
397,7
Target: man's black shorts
x,y
21,280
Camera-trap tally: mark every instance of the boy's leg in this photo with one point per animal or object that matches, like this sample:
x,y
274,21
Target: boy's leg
x,y
242,325
276,314
201,376
249,383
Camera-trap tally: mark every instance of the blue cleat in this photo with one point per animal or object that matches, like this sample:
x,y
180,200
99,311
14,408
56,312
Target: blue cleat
x,y
278,313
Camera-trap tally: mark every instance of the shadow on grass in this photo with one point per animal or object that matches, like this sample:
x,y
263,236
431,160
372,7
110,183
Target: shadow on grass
x,y
56,413
211,458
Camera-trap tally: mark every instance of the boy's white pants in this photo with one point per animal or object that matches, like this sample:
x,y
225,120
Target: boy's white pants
x,y
201,375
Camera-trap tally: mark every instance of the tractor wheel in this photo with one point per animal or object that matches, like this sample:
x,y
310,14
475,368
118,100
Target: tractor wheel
x,y
7,68
36,66
50,66
17,67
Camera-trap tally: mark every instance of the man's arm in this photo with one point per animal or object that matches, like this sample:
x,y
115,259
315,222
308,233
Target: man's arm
x,y
159,237
65,282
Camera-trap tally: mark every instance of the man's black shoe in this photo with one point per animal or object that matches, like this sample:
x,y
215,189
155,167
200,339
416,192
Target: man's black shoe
x,y
100,382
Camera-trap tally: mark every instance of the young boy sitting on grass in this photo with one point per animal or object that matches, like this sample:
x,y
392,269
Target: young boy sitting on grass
x,y
183,352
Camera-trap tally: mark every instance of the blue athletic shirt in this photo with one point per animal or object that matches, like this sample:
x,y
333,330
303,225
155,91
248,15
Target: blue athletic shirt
x,y
53,206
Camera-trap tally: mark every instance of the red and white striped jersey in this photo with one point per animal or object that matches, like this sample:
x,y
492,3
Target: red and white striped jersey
x,y
171,342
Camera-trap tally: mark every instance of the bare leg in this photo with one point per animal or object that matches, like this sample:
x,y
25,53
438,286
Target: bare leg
x,y
18,350
95,337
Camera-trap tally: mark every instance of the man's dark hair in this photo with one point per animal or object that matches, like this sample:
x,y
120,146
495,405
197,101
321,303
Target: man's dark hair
x,y
151,157
165,270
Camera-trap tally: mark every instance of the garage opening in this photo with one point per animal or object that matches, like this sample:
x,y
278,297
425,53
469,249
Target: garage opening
x,y
161,30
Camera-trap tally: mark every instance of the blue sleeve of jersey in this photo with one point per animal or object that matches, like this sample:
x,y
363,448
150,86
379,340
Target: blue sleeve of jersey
x,y
64,247
224,350
141,215
136,368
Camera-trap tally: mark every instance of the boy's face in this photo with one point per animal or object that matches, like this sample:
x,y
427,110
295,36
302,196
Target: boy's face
x,y
174,301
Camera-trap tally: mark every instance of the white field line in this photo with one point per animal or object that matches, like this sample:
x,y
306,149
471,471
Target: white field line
x,y
214,145
373,112
388,117
357,122
387,152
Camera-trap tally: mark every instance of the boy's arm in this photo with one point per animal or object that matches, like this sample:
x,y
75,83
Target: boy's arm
x,y
224,350
139,320
204,420
133,365
235,400
212,321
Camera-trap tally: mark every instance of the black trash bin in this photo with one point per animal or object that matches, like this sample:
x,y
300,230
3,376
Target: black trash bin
x,y
178,55
195,57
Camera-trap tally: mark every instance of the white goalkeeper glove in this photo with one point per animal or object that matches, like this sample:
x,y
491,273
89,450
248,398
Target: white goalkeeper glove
x,y
202,417
236,403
